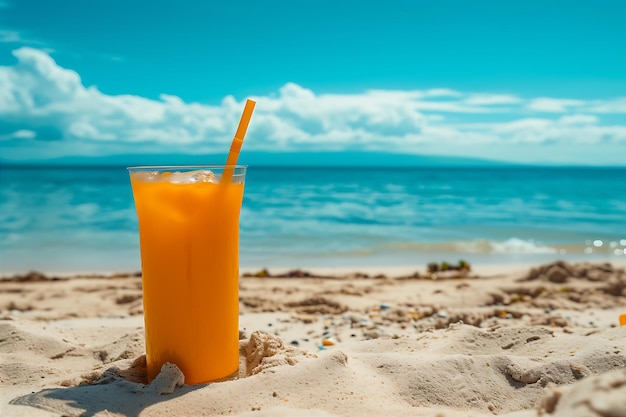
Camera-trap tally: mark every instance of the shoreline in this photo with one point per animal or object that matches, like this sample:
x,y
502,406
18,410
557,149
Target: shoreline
x,y
490,268
93,261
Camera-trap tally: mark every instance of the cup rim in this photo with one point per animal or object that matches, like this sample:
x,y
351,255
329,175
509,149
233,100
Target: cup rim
x,y
183,167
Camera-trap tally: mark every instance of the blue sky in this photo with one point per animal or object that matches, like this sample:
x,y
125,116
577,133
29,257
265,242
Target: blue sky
x,y
527,81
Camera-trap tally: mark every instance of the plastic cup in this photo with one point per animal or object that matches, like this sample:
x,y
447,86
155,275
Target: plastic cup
x,y
189,241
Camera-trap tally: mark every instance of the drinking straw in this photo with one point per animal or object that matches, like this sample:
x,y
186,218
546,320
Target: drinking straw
x,y
622,319
235,147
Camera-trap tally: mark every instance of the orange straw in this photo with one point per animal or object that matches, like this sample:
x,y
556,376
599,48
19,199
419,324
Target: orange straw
x,y
235,147
622,319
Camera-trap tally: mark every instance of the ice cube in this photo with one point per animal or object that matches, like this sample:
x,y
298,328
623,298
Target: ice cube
x,y
206,176
147,176
192,177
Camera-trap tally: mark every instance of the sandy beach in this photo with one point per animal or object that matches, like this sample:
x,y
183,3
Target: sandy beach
x,y
499,340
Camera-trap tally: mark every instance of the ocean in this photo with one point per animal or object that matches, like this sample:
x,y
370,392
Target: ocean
x,y
67,219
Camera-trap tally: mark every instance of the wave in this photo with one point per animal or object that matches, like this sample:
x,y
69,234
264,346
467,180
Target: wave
x,y
514,245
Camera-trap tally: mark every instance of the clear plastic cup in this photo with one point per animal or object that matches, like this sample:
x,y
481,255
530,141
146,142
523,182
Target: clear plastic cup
x,y
189,239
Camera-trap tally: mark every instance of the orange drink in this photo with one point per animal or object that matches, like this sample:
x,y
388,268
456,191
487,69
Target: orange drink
x,y
189,239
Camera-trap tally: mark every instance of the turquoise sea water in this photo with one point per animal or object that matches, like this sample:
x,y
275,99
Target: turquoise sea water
x,y
83,219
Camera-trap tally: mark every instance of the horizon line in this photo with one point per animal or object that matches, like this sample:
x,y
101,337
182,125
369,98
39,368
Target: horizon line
x,y
31,164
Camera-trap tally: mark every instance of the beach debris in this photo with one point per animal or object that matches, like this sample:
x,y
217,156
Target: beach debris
x,y
558,274
561,271
127,298
446,266
263,273
294,273
358,275
413,314
32,276
615,285
328,342
15,308
306,309
542,272
317,305
414,275
352,318
464,265
446,270
372,334
136,274
366,323
306,318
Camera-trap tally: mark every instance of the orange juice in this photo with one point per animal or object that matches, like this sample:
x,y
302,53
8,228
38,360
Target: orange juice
x,y
189,239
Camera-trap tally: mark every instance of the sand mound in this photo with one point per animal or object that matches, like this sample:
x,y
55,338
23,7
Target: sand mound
x,y
264,351
597,396
125,378
490,371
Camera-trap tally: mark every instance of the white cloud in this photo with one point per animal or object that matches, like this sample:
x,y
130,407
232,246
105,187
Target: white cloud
x,y
565,131
23,133
553,105
442,92
9,36
492,99
617,105
559,105
19,134
579,119
521,125
46,111
16,37
453,107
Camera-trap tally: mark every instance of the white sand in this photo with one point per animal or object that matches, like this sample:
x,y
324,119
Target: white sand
x,y
508,343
